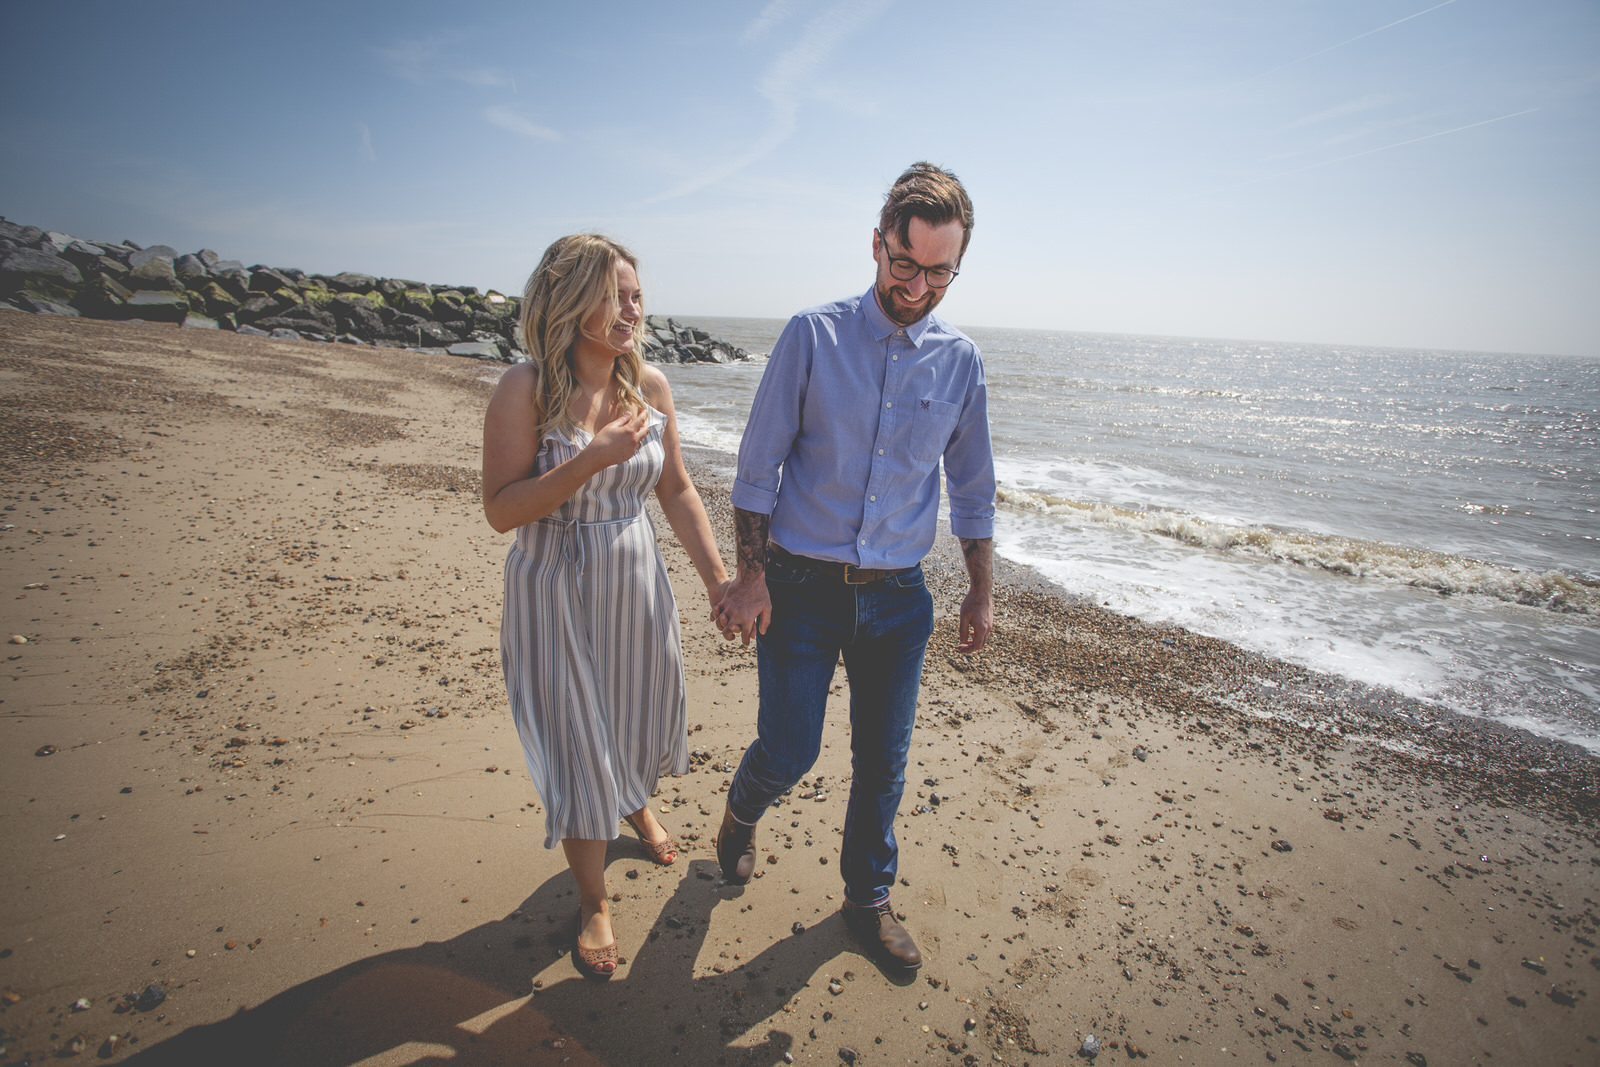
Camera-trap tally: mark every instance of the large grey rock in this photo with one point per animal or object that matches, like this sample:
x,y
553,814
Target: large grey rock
x,y
250,331
218,300
145,255
208,257
39,273
154,273
357,317
190,266
449,306
155,306
299,325
475,349
23,235
193,321
283,333
259,307
267,280
40,305
102,297
55,243
236,282
222,265
83,255
352,282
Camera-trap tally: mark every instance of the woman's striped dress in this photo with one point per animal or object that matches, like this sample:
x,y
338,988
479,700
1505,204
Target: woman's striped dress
x,y
590,646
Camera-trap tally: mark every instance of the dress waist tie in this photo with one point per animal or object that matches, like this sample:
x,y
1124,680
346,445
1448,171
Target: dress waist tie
x,y
572,535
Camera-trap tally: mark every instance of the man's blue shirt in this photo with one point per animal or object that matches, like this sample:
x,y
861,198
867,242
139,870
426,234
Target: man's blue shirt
x,y
846,434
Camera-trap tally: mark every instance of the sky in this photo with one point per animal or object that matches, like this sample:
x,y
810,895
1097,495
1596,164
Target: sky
x,y
1402,173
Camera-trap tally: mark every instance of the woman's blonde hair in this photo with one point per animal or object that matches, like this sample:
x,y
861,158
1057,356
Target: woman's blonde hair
x,y
576,276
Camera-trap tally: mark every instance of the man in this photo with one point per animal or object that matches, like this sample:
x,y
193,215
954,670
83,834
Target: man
x,y
836,503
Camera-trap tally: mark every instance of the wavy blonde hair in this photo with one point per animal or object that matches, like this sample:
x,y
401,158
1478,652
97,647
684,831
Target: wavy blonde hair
x,y
576,276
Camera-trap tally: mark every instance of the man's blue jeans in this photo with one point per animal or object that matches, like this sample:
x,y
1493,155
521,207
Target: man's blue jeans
x,y
882,630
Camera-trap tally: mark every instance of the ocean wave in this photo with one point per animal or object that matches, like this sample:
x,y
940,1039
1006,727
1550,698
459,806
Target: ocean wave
x,y
1439,571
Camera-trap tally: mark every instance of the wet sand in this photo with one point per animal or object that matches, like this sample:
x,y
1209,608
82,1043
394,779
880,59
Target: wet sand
x,y
259,607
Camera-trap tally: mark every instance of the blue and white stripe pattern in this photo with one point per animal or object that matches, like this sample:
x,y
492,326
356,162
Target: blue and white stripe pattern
x,y
591,649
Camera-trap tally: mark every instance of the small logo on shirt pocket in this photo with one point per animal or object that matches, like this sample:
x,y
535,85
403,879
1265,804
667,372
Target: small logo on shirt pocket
x,y
934,422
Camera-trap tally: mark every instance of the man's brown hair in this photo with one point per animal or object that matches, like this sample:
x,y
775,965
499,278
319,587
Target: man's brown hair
x,y
931,194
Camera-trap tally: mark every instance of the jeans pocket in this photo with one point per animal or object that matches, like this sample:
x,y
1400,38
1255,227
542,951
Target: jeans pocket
x,y
787,574
910,579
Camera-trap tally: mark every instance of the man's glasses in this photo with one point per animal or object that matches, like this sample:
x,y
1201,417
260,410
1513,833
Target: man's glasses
x,y
903,269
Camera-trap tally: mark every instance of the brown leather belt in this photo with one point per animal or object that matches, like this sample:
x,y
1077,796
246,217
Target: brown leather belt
x,y
848,573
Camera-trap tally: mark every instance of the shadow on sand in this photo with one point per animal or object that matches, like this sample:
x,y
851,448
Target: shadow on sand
x,y
469,1000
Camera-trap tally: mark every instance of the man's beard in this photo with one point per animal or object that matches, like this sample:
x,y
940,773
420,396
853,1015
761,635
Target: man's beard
x,y
899,311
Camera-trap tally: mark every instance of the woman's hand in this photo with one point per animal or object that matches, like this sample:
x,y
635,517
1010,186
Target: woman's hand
x,y
716,594
618,440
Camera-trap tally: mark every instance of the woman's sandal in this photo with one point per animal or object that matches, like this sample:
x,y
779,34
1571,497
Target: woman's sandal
x,y
663,852
590,960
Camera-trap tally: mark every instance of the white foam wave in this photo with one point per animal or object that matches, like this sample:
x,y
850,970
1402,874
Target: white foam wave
x,y
695,430
1442,572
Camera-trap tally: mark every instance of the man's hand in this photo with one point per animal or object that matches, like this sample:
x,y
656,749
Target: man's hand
x,y
977,620
977,610
745,610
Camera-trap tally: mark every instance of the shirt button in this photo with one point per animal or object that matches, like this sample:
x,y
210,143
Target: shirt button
x,y
872,498
880,451
895,357
863,540
888,403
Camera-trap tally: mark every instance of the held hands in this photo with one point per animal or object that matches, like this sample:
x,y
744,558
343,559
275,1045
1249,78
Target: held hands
x,y
618,439
744,610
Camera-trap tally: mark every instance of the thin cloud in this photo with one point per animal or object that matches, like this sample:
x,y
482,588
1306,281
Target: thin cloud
x,y
503,117
786,83
775,12
426,59
367,151
485,77
1354,107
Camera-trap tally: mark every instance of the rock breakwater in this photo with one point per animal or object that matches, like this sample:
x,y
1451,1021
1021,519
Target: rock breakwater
x,y
53,273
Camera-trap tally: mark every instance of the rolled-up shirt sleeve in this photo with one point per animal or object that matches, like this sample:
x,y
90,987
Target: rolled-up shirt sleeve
x,y
774,421
969,464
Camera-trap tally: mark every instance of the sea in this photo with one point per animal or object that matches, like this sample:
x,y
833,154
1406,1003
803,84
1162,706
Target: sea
x,y
1426,522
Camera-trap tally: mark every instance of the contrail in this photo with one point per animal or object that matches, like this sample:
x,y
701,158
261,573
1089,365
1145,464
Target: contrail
x,y
1340,159
1398,144
1341,44
1369,33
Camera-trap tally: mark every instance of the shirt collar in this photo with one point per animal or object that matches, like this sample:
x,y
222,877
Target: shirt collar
x,y
882,326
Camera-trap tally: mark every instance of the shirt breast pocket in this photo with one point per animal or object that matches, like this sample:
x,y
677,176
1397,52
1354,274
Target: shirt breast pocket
x,y
932,423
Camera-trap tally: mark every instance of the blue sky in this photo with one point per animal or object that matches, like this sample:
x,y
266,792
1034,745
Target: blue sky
x,y
1359,172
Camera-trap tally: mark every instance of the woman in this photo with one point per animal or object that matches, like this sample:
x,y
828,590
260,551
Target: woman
x,y
572,443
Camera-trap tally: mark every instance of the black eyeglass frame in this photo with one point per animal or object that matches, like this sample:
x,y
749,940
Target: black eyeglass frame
x,y
915,267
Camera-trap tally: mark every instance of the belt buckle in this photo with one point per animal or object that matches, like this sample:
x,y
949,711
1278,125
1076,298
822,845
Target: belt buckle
x,y
850,573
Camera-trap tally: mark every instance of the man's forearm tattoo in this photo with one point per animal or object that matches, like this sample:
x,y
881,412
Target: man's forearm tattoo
x,y
751,528
978,553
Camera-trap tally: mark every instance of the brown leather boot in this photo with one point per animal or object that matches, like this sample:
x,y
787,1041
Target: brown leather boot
x,y
736,850
885,939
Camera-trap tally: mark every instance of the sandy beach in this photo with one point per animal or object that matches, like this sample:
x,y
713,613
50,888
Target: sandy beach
x,y
264,804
